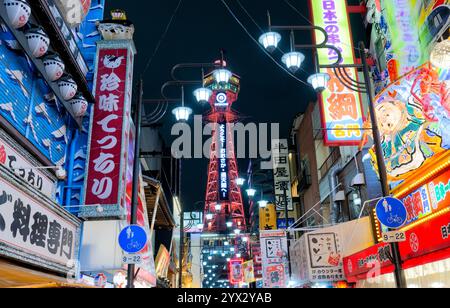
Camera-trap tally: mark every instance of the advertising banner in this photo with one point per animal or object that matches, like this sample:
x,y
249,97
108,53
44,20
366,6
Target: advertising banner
x,y
282,175
257,258
274,253
249,274
236,271
268,218
342,114
223,163
106,163
162,261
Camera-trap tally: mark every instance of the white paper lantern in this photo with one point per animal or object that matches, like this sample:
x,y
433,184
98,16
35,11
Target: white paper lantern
x,y
18,11
54,67
38,41
68,87
79,105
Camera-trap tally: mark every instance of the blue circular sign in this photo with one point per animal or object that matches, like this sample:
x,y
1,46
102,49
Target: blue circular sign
x,y
133,239
392,213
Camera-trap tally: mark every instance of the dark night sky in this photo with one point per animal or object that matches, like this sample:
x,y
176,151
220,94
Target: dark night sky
x,y
200,29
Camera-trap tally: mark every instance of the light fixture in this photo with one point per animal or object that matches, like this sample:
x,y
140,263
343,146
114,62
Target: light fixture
x,y
205,263
218,207
38,41
227,243
200,226
319,81
270,40
263,203
251,192
54,66
238,255
209,216
210,258
237,231
222,75
67,87
293,60
240,182
229,224
245,239
440,56
79,105
182,113
202,95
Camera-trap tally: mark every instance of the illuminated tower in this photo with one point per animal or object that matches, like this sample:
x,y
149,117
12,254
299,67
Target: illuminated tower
x,y
224,209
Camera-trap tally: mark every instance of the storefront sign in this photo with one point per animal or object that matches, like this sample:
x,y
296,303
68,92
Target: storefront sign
x,y
223,163
342,115
13,158
429,198
236,272
325,257
33,230
268,218
105,175
255,247
249,274
274,253
429,237
282,175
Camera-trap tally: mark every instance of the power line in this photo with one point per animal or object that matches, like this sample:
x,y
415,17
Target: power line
x,y
261,47
172,18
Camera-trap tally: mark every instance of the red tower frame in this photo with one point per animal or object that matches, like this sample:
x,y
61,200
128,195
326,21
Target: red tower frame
x,y
222,188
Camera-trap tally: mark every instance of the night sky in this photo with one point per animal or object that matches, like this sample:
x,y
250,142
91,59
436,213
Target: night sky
x,y
200,29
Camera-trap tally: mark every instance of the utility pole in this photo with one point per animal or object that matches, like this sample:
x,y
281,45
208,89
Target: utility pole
x,y
136,170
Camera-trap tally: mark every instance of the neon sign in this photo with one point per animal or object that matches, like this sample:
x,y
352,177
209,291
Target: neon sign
x,y
223,162
341,108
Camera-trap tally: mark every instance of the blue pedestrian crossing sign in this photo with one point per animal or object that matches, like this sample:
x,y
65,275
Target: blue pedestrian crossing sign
x,y
392,213
133,239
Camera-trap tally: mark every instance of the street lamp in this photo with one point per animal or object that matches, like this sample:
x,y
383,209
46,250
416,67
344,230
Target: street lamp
x,y
293,60
202,95
251,192
218,207
263,203
182,113
319,81
222,75
240,182
270,40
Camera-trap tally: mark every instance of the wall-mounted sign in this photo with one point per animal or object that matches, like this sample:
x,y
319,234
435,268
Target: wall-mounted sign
x,y
221,100
325,254
342,114
13,157
268,218
274,253
236,272
223,163
282,175
105,183
33,231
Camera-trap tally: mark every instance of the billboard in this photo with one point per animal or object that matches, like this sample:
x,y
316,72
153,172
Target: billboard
x,y
341,108
274,253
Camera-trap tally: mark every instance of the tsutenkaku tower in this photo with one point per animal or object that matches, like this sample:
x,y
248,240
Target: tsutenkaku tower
x,y
224,209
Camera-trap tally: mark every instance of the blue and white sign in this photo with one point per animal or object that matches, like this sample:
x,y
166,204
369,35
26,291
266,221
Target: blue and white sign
x,y
392,213
133,239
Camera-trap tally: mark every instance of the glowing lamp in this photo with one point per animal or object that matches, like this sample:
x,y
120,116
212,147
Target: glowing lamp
x,y
440,57
270,40
209,216
293,60
263,204
202,95
251,192
229,224
218,207
240,181
182,113
319,81
222,75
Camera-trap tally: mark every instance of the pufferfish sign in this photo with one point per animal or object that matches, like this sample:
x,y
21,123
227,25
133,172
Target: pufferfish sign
x,y
414,120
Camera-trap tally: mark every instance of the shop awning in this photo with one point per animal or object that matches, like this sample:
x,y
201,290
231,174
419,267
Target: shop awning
x,y
14,276
164,216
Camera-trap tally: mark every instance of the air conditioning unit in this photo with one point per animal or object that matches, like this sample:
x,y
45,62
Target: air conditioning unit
x,y
359,180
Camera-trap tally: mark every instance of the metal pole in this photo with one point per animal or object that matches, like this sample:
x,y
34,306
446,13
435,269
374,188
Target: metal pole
x,y
136,169
180,262
400,278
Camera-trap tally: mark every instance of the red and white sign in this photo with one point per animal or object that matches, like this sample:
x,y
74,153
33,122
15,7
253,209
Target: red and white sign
x,y
427,238
104,183
236,271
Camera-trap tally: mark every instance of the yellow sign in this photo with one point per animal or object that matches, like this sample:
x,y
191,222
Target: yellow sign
x,y
249,272
268,218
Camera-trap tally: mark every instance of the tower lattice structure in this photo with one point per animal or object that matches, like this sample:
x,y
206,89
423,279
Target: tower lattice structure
x,y
224,208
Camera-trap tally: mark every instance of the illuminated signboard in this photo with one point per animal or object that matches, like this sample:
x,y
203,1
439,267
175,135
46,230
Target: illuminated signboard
x,y
236,271
429,198
223,162
342,114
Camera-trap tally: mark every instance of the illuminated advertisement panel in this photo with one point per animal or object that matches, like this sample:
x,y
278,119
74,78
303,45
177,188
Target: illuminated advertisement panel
x,y
342,114
414,116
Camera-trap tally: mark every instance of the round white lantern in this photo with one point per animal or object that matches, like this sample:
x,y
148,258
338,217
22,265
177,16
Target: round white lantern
x,y
18,11
270,40
54,67
182,113
61,174
319,81
38,41
222,75
68,87
203,95
79,105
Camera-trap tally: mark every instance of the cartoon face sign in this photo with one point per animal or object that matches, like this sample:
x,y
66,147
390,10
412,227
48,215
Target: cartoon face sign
x,y
391,118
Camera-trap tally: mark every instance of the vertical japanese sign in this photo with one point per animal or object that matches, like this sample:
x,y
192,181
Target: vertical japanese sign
x,y
223,162
342,113
104,183
268,218
282,175
274,253
257,259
